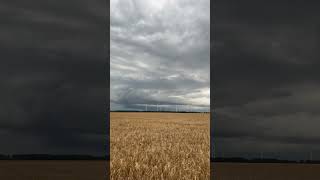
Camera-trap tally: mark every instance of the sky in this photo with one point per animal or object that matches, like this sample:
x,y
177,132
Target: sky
x,y
264,67
53,76
160,54
265,79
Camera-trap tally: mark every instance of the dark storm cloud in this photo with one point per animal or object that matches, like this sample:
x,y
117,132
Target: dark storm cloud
x,y
53,76
159,53
265,78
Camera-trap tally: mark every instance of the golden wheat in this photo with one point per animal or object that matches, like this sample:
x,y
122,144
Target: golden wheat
x,y
148,146
265,171
53,170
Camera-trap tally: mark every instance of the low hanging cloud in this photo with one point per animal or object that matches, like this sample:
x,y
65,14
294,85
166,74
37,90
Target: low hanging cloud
x,y
53,77
266,79
160,53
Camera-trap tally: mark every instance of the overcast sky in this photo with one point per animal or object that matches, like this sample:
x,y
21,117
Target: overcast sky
x,y
53,83
266,78
160,53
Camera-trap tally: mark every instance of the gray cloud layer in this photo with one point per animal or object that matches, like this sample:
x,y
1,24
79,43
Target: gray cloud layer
x,y
53,76
159,53
266,78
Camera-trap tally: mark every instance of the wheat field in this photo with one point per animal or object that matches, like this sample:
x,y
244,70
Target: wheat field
x,y
149,146
265,171
53,169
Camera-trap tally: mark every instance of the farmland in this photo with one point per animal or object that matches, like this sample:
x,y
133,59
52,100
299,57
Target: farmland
x,y
52,170
159,145
265,171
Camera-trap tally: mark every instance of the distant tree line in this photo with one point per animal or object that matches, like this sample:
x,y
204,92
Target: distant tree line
x,y
50,157
265,160
161,111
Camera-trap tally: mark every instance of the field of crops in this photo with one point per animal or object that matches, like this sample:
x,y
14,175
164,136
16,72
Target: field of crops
x,y
52,170
265,171
148,146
